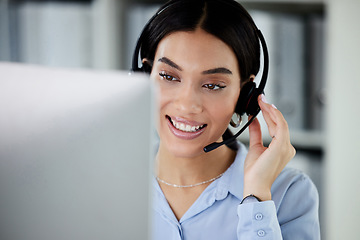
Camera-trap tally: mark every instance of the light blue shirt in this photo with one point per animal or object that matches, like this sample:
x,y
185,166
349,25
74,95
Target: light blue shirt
x,y
218,215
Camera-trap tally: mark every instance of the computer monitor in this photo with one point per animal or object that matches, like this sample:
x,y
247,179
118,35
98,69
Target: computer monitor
x,y
75,154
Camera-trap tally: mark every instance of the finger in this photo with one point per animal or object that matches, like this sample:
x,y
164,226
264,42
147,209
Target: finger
x,y
274,119
269,117
255,136
281,128
270,110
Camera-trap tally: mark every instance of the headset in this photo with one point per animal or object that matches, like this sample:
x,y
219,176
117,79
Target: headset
x,y
247,102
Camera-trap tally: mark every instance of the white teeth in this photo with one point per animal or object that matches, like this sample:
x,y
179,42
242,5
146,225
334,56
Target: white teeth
x,y
186,128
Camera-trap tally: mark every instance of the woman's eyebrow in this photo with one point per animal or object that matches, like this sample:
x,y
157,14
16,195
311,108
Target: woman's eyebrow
x,y
217,70
170,63
210,71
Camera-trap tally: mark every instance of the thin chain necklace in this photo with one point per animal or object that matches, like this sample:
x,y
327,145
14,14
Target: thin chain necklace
x,y
191,185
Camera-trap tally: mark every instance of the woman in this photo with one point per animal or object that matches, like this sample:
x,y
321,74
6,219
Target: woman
x,y
200,54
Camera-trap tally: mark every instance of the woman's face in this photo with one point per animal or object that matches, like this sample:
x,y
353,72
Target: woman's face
x,y
199,84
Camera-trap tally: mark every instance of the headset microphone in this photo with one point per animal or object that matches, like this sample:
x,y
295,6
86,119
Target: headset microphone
x,y
248,99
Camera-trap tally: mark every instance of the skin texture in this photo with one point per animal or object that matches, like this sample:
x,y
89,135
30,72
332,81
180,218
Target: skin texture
x,y
198,81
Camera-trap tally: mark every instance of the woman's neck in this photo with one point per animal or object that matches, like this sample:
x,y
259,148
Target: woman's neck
x,y
187,171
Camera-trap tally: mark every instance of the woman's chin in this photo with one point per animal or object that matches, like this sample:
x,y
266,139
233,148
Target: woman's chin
x,y
185,150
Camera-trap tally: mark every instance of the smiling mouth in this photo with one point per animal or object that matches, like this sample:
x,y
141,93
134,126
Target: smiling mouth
x,y
185,127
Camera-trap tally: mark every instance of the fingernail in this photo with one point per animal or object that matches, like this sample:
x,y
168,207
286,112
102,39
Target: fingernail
x,y
273,106
263,98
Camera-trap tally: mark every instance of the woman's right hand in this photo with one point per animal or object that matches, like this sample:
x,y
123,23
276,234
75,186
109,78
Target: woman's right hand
x,y
264,164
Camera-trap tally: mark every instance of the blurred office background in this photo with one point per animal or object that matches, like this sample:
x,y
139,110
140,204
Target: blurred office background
x,y
313,79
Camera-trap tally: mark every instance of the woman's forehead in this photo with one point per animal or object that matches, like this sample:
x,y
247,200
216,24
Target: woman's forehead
x,y
196,47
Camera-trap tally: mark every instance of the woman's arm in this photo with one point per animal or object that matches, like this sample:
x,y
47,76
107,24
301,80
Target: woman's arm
x,y
294,213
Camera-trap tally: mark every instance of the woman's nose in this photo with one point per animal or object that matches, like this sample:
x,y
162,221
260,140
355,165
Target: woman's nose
x,y
188,100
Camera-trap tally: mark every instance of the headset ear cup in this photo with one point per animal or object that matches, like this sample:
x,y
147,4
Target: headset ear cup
x,y
253,105
246,93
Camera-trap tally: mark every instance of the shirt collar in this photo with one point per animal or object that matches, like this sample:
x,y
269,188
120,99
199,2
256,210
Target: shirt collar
x,y
231,182
233,179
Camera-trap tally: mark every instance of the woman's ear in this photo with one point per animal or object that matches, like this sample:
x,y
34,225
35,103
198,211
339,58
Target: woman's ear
x,y
251,78
146,65
144,60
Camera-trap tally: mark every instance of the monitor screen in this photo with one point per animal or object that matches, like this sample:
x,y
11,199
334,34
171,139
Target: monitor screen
x,y
75,154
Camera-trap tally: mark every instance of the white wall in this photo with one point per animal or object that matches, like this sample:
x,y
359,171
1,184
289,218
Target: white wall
x,y
342,162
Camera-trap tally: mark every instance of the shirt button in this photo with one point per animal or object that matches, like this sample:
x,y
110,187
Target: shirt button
x,y
261,233
258,216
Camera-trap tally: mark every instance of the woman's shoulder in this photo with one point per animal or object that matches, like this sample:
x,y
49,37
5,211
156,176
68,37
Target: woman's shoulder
x,y
291,175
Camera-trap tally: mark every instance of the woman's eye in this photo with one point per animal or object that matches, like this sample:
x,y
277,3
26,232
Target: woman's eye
x,y
212,86
168,77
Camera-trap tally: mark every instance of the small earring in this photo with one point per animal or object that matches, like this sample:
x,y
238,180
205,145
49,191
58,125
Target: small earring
x,y
237,122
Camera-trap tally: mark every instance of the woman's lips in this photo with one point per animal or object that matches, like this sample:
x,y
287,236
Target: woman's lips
x,y
185,129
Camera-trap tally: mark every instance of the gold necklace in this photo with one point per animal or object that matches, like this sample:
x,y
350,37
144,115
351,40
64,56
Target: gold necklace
x,y
191,185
